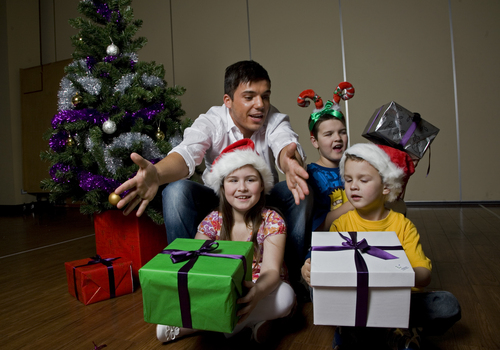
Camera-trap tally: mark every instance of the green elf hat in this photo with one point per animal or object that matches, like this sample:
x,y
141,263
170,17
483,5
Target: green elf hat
x,y
344,91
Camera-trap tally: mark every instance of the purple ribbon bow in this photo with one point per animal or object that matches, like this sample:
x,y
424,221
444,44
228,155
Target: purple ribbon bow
x,y
111,274
406,137
361,268
177,256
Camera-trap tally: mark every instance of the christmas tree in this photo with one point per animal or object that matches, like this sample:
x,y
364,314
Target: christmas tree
x,y
109,105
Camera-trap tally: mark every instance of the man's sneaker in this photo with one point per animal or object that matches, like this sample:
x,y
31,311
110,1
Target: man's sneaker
x,y
401,339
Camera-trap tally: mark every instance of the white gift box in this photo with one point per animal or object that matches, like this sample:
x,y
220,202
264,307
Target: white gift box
x,y
334,279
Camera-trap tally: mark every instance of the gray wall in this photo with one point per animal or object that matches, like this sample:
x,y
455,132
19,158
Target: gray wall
x,y
393,50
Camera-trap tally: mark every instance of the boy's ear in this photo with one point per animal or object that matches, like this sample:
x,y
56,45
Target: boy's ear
x,y
314,142
386,190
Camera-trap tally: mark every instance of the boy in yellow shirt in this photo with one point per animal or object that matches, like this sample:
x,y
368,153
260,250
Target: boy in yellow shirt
x,y
372,179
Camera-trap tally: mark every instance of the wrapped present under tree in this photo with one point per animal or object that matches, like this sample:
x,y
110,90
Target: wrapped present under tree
x,y
99,278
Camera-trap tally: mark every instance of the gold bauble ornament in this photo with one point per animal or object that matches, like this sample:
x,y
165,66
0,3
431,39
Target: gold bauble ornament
x,y
114,198
70,142
76,99
160,135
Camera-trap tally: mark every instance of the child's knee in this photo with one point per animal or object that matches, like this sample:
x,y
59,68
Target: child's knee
x,y
285,300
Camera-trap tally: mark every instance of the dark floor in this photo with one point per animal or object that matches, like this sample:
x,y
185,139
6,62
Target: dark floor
x,y
39,313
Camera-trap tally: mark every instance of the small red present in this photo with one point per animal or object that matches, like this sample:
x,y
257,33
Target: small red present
x,y
133,238
94,279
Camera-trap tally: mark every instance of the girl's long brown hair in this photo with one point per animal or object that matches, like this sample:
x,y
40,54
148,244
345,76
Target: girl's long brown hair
x,y
253,217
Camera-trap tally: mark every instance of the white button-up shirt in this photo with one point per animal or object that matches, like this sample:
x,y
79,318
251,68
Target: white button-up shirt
x,y
215,130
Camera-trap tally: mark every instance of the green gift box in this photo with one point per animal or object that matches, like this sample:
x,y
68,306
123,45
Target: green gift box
x,y
199,292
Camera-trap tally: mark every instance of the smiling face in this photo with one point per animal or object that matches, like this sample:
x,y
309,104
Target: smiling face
x,y
249,106
243,188
331,142
364,187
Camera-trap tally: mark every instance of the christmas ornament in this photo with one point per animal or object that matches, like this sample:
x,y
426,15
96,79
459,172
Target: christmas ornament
x,y
65,95
76,99
114,198
124,82
109,126
160,135
70,142
112,50
126,141
151,81
90,84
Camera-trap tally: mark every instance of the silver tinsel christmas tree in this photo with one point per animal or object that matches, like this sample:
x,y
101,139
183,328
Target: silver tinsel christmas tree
x,y
110,104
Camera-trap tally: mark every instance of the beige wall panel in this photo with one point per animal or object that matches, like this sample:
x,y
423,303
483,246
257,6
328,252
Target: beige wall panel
x,y
63,11
476,29
47,31
208,37
401,51
300,46
156,28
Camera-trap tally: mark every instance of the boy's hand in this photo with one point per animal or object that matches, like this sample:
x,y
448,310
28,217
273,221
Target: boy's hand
x,y
306,271
143,186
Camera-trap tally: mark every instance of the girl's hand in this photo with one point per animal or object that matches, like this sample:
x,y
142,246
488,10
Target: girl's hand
x,y
251,299
306,271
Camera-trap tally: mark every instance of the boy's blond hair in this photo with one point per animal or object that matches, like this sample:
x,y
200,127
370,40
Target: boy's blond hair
x,y
392,176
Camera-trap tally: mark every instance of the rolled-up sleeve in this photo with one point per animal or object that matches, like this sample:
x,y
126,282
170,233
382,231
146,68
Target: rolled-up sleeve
x,y
197,140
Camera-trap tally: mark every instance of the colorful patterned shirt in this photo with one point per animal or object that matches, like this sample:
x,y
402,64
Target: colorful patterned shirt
x,y
272,224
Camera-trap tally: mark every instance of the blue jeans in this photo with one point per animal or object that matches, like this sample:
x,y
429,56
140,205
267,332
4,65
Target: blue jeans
x,y
186,203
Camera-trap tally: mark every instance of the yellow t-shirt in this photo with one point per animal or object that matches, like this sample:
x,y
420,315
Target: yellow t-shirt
x,y
404,228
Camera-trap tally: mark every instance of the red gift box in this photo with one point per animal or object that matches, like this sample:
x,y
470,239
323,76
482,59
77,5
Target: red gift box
x,y
134,238
95,279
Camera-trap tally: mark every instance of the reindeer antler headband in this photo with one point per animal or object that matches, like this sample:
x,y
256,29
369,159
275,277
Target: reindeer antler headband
x,y
344,91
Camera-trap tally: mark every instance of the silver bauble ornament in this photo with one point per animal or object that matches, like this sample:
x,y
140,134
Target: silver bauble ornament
x,y
109,126
112,50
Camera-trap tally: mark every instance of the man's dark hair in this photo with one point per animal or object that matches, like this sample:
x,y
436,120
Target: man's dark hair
x,y
243,72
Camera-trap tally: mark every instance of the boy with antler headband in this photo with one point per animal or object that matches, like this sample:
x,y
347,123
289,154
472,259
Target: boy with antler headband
x,y
329,136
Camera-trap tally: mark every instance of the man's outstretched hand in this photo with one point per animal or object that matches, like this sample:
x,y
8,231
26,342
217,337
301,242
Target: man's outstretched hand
x,y
143,187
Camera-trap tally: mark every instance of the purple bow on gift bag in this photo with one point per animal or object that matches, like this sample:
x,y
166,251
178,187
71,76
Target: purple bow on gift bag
x,y
361,268
178,256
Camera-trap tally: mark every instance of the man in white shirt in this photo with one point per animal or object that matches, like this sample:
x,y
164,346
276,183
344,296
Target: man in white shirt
x,y
246,113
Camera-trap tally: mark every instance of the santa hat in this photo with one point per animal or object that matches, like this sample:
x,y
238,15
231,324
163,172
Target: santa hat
x,y
344,91
393,176
403,161
236,156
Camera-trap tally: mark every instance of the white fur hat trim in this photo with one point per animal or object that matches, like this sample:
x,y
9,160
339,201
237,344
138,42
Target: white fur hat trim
x,y
229,162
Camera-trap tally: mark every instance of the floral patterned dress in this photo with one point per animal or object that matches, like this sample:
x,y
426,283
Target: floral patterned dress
x,y
272,224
